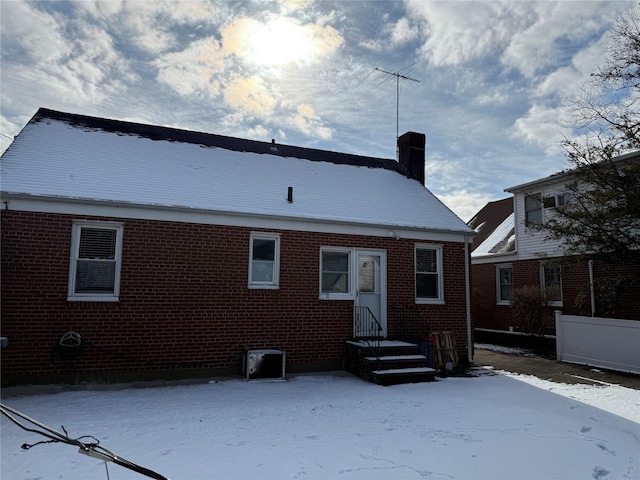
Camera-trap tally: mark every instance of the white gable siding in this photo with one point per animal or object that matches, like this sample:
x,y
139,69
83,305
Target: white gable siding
x,y
531,243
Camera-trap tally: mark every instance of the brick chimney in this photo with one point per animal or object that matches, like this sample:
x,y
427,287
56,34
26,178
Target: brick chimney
x,y
411,148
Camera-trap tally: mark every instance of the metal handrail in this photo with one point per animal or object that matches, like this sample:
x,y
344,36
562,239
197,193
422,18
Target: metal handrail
x,y
367,328
365,324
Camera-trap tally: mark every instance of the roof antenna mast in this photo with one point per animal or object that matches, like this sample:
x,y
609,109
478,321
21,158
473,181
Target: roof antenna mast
x,y
399,76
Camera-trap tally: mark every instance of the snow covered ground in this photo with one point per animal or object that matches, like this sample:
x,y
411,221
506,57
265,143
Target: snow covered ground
x,y
335,426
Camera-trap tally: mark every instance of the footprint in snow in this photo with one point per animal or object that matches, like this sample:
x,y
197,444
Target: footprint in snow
x,y
605,449
600,473
585,429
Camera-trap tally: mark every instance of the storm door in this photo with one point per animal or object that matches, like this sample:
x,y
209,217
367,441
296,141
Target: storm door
x,y
371,290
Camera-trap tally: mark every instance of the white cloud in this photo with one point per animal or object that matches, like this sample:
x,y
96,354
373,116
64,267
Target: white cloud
x,y
526,36
249,95
99,9
148,25
538,46
492,97
403,32
291,6
458,32
308,122
372,44
565,81
70,61
8,130
465,204
542,127
194,70
259,132
39,34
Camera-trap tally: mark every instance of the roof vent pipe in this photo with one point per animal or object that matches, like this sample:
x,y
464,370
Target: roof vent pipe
x,y
290,195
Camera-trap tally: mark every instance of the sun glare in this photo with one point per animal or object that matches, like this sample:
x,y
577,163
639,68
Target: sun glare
x,y
280,41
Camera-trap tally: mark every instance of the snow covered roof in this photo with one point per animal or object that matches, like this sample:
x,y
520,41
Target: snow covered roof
x,y
67,156
501,241
489,218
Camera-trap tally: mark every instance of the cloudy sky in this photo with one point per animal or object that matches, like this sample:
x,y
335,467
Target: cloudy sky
x,y
492,75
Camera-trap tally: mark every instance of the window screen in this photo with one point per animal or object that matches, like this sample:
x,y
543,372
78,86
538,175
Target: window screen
x,y
427,275
533,209
263,260
552,281
96,261
505,283
335,272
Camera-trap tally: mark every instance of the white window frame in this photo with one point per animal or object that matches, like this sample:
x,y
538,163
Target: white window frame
x,y
540,208
543,283
439,300
499,299
275,282
72,295
351,273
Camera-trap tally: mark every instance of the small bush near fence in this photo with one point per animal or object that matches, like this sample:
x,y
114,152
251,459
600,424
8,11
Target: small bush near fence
x,y
531,312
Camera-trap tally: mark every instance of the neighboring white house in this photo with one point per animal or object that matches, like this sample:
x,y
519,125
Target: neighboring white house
x,y
516,253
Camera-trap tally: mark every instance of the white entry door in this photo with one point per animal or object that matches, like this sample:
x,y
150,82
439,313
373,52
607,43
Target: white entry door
x,y
371,285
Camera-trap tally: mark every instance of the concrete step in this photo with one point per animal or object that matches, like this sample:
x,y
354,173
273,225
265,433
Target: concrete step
x,y
387,362
385,348
399,362
396,376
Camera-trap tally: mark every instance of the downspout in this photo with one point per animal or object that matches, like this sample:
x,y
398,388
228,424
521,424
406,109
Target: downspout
x,y
468,298
592,289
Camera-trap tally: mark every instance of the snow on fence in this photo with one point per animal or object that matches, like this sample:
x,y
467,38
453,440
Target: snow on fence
x,y
600,342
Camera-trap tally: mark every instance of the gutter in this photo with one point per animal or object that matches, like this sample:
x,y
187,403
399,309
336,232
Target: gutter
x,y
467,287
592,289
399,230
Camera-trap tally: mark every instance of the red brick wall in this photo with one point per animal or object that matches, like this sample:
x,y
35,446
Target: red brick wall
x,y
617,291
184,303
486,313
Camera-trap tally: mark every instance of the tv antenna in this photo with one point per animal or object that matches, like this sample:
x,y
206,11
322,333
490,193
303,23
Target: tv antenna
x,y
399,76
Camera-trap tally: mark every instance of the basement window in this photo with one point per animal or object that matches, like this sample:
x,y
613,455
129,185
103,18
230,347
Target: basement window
x,y
94,273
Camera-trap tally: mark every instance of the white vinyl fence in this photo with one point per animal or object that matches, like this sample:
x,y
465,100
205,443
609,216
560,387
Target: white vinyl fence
x,y
599,342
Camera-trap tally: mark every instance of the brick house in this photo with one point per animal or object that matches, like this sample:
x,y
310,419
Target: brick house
x,y
133,251
514,253
493,247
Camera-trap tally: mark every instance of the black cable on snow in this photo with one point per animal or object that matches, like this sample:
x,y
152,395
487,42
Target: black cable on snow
x,y
92,449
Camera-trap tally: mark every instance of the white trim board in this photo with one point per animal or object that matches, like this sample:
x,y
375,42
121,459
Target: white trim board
x,y
186,215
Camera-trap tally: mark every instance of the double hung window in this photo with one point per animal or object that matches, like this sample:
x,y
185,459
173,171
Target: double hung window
x,y
551,282
264,260
94,273
428,274
504,287
335,273
533,209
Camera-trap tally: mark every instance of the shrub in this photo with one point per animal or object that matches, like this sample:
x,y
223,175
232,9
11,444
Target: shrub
x,y
530,308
